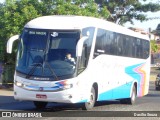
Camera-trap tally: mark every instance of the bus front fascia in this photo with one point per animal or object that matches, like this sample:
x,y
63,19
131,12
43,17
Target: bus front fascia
x,y
10,43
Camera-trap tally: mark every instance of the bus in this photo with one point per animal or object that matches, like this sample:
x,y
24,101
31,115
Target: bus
x,y
108,62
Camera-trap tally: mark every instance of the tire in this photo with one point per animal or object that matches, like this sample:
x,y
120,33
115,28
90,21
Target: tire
x,y
90,104
123,101
132,99
40,105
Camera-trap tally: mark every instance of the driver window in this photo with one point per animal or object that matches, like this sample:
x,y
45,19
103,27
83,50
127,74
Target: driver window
x,y
83,59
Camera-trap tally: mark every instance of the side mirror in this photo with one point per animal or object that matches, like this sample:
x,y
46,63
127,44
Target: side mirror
x,y
79,47
10,43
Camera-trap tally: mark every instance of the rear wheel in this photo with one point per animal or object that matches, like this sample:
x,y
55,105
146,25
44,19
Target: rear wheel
x,y
132,99
40,105
123,101
90,104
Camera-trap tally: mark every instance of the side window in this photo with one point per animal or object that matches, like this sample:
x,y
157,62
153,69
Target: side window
x,y
139,48
146,49
113,44
108,41
83,60
133,47
127,46
90,33
120,49
100,42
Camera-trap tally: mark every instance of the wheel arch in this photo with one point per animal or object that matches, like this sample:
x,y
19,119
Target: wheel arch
x,y
134,84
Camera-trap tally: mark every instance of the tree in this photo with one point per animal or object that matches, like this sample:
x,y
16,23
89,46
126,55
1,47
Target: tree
x,y
68,7
127,10
154,46
13,16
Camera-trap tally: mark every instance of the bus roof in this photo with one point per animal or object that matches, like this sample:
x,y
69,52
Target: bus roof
x,y
60,22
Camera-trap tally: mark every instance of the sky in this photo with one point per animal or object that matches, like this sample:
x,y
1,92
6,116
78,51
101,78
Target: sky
x,y
150,23
2,1
146,24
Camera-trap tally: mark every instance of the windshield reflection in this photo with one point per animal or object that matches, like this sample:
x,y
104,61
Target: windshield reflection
x,y
44,54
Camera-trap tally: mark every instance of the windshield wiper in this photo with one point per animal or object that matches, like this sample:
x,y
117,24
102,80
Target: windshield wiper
x,y
35,65
51,69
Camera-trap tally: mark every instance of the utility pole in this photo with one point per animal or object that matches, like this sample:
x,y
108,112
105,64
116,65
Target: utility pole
x,y
149,33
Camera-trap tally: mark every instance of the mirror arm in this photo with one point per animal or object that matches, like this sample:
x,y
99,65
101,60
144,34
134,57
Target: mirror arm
x,y
10,43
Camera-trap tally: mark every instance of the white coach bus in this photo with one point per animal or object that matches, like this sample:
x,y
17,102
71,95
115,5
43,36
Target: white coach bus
x,y
75,59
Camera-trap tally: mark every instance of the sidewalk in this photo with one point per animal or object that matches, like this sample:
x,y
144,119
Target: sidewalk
x,y
5,92
6,96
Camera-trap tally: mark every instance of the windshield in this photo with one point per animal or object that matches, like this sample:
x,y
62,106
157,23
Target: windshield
x,y
48,54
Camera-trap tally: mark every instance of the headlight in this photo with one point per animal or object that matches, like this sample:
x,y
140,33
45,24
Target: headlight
x,y
19,84
66,86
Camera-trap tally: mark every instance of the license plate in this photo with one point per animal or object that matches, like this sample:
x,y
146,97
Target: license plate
x,y
40,96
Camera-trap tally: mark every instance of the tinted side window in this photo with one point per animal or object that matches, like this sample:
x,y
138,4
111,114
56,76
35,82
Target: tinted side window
x,y
100,42
120,45
108,42
138,48
146,49
127,46
112,43
90,33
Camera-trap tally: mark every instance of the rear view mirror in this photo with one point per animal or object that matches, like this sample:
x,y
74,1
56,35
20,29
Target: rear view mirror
x,y
10,43
80,46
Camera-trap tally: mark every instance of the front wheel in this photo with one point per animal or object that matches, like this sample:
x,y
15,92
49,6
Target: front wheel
x,y
40,105
90,104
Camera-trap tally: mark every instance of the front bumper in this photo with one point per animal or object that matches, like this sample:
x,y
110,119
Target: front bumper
x,y
65,96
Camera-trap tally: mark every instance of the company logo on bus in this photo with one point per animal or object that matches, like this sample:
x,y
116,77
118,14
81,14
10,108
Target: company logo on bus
x,y
54,34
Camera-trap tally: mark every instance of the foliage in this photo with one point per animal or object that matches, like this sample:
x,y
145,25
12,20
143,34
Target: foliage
x,y
154,46
129,9
80,7
12,19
